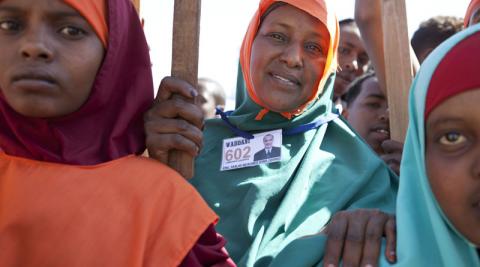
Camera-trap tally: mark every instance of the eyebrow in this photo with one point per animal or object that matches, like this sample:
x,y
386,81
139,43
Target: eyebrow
x,y
377,96
286,26
441,121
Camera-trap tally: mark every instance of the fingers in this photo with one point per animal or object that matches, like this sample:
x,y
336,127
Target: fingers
x,y
391,233
355,238
173,124
392,146
160,144
373,238
336,231
171,85
176,108
393,154
393,161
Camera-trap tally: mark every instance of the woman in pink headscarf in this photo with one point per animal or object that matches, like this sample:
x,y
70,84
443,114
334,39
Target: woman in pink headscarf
x,y
75,80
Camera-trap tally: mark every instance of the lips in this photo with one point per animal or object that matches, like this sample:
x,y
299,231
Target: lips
x,y
286,78
33,76
382,130
34,80
347,80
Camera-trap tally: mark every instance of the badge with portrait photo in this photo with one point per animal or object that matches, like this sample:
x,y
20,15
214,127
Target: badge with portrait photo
x,y
239,152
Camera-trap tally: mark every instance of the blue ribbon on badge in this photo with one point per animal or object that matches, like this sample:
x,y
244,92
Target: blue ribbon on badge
x,y
286,132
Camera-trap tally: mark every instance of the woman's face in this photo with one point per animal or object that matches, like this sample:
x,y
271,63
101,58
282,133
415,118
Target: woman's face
x,y
50,57
352,58
453,160
288,58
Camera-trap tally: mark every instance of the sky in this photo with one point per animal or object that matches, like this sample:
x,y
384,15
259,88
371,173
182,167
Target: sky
x,y
224,22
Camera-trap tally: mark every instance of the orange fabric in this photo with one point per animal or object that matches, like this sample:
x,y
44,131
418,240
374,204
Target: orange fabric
x,y
95,12
320,9
474,5
127,212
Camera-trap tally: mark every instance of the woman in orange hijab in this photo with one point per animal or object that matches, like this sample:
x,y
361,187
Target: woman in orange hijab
x,y
288,60
73,191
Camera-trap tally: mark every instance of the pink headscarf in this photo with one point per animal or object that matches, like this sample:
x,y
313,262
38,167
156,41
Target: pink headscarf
x,y
109,125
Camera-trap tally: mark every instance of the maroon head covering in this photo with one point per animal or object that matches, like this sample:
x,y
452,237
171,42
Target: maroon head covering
x,y
110,123
456,73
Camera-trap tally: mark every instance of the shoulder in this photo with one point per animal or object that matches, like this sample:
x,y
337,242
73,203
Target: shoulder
x,y
145,174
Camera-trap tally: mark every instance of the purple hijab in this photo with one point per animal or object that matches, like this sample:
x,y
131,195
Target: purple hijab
x,y
110,123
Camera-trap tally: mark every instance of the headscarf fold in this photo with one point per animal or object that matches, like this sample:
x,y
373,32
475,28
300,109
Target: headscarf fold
x,y
109,125
95,12
474,5
264,208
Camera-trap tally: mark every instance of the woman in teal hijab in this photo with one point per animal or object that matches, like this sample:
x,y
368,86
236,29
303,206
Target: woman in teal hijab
x,y
438,206
288,59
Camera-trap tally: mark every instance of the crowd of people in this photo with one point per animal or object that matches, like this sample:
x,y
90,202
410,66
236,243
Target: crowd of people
x,y
302,172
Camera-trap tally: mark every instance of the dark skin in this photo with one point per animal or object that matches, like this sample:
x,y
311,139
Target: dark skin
x,y
175,123
355,238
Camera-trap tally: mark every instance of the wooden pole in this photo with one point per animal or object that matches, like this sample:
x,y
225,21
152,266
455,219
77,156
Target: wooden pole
x,y
398,65
186,33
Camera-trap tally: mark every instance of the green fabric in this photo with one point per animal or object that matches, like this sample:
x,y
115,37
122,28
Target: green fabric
x,y
264,208
424,235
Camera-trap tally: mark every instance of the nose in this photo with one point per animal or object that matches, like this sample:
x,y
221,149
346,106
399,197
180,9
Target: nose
x,y
34,46
351,65
292,56
384,115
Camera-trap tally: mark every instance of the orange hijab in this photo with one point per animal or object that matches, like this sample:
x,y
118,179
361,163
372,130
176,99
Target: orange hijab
x,y
95,12
319,9
474,5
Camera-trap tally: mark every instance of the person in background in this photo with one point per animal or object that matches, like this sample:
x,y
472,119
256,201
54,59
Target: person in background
x,y
367,112
211,95
432,33
353,60
73,189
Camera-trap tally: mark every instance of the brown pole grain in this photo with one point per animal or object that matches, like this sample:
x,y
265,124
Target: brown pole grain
x,y
398,66
186,33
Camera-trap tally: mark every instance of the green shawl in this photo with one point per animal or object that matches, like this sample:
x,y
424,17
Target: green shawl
x,y
264,208
425,237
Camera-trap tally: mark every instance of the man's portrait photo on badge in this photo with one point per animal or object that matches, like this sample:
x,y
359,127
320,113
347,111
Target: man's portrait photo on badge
x,y
269,151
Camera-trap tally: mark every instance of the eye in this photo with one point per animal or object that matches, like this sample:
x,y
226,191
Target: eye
x,y
343,50
374,105
72,32
452,139
314,48
9,25
277,37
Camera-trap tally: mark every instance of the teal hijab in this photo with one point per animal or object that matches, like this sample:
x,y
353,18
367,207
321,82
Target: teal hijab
x,y
263,209
425,237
